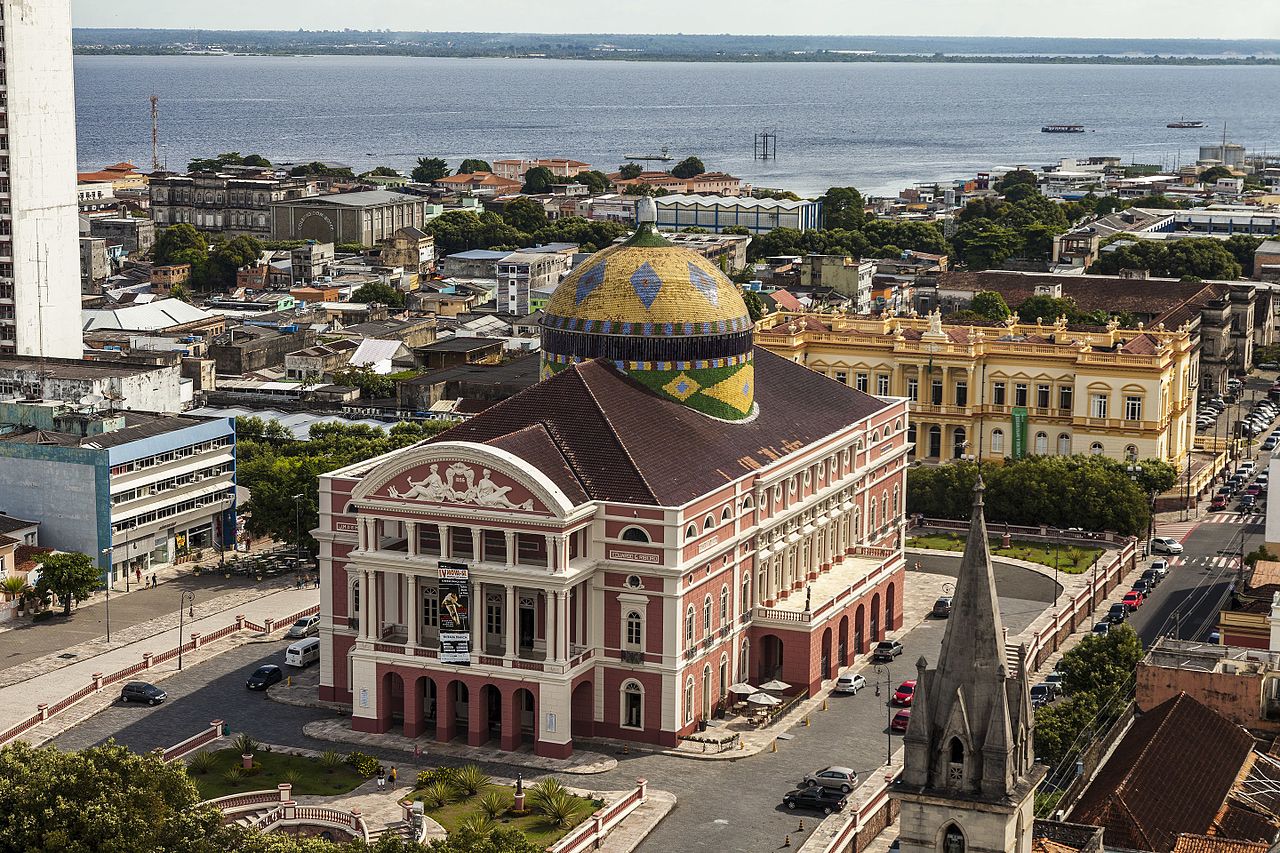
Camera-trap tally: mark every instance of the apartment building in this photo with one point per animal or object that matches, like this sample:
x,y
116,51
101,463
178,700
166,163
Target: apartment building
x,y
228,204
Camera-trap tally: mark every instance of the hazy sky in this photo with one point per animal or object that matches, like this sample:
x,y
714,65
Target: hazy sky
x,y
1120,18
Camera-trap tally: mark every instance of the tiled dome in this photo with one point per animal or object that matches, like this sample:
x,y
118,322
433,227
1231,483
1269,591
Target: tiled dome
x,y
662,313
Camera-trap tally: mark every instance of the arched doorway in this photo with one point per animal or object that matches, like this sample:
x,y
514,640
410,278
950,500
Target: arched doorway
x,y
491,702
952,839
461,698
390,700
826,654
875,618
935,441
959,441
888,608
524,713
582,710
842,643
770,658
859,630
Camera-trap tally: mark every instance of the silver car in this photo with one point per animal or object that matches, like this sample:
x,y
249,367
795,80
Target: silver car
x,y
307,626
842,778
850,682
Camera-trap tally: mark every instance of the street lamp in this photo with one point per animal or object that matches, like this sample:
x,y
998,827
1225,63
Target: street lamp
x,y
186,600
297,525
109,551
1135,472
883,669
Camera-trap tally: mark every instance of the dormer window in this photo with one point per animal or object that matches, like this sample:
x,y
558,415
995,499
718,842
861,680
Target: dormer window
x,y
955,765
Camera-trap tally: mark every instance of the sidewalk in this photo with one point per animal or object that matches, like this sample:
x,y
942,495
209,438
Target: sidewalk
x,y
20,700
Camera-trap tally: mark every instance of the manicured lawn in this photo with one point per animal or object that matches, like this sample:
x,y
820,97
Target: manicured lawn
x,y
1072,559
532,825
270,769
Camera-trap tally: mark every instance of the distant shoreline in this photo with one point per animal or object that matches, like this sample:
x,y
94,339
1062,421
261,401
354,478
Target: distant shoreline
x,y
624,56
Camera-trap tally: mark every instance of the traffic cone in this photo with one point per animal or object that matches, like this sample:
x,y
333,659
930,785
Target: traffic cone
x,y
774,747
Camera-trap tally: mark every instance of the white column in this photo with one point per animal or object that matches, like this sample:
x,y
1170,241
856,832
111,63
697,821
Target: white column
x,y
477,618
560,626
366,603
551,552
565,616
413,615
444,542
411,534
580,600
360,535
476,539
511,547
511,620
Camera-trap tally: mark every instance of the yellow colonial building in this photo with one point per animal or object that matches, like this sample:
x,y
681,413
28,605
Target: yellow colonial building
x,y
1012,390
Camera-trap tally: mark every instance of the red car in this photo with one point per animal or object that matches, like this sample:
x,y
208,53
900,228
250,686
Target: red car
x,y
1218,502
904,694
900,720
1254,489
1132,599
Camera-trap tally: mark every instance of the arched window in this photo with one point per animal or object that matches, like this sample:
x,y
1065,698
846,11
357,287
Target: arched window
x,y
726,514
708,523
688,626
747,503
1131,453
952,840
884,506
1064,444
691,531
724,604
706,616
897,425
746,596
632,705
635,534
688,699
997,441
634,629
1042,444
1095,449
871,515
875,437
897,497
957,751
354,620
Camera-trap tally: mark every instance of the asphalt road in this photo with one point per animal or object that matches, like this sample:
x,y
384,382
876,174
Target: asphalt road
x,y
723,805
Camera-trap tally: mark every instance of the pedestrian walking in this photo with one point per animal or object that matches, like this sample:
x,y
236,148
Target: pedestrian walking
x,y
391,777
382,778
137,573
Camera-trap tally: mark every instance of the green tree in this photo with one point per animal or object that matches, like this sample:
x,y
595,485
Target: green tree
x,y
629,171
257,160
471,165
755,305
1198,257
524,214
229,256
373,386
595,181
70,576
1018,177
176,242
688,167
1158,202
1242,248
1101,664
538,180
429,169
180,293
1157,476
1044,307
473,840
779,195
843,207
316,169
1058,725
982,244
989,305
381,172
590,235
1214,173
231,158
102,798
376,291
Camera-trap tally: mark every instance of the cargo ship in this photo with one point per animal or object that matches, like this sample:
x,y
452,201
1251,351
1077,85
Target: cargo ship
x,y
1062,128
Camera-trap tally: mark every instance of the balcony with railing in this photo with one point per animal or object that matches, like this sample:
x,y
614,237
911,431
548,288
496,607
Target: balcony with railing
x,y
832,590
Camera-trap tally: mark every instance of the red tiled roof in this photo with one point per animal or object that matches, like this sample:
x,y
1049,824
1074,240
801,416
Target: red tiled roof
x,y
787,300
1188,843
1147,297
619,441
1170,774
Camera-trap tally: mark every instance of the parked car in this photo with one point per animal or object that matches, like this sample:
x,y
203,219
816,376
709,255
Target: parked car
x,y
307,626
841,778
1248,502
1054,680
1246,467
1161,568
264,676
1219,502
942,607
816,798
1166,545
1132,600
141,691
1269,365
1151,577
1117,613
1102,628
900,720
850,682
1041,694
1143,587
887,650
1253,490
905,693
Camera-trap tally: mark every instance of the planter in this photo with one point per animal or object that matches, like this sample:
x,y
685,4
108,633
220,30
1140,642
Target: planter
x,y
246,761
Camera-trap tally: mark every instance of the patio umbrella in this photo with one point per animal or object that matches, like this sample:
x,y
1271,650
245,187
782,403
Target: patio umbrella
x,y
743,688
763,699
775,685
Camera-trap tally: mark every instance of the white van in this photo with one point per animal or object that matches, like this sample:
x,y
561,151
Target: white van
x,y
303,653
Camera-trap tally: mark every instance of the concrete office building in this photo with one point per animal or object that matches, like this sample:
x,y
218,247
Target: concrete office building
x,y
148,387
363,217
39,220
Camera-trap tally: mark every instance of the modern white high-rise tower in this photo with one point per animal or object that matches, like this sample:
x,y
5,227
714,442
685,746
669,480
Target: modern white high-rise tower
x,y
39,221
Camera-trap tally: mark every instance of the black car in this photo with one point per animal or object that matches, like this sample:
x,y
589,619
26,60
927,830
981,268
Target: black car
x,y
817,798
886,650
141,691
264,676
1041,694
1118,613
1151,576
1144,587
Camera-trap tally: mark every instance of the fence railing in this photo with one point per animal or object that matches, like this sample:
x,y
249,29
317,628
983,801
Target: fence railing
x,y
862,822
191,744
592,831
100,680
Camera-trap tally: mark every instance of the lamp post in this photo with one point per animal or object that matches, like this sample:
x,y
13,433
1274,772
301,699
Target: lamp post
x,y
110,552
883,669
186,600
297,525
1135,474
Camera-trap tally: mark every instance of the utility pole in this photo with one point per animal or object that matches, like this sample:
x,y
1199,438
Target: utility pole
x,y
155,133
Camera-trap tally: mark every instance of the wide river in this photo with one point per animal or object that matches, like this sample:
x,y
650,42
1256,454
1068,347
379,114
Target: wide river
x,y
876,126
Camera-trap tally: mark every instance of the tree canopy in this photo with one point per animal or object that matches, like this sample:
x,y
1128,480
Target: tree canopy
x,y
429,169
688,167
376,291
381,172
1023,224
69,575
843,208
471,165
628,171
462,230
989,305
595,181
1199,257
538,180
1214,173
231,158
877,238
316,169
525,214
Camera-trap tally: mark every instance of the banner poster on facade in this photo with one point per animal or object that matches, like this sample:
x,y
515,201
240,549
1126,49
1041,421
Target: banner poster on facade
x,y
1019,432
455,614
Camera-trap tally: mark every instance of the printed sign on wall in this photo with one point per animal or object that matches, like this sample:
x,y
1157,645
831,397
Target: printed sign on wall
x,y
455,614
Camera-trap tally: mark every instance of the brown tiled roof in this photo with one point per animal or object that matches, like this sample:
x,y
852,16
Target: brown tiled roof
x,y
1170,774
1141,345
25,556
622,442
1150,297
1047,845
1188,843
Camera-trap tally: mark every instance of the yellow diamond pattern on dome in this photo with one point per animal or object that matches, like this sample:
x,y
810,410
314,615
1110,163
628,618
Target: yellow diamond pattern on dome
x,y
737,391
682,387
638,285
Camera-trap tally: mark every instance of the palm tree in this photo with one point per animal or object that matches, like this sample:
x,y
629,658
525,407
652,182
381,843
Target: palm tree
x,y
14,586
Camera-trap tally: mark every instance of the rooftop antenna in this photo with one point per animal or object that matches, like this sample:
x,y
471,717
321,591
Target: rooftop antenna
x,y
155,133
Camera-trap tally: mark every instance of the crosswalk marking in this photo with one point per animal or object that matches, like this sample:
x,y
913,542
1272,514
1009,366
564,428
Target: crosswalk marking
x,y
1234,518
1213,562
1177,529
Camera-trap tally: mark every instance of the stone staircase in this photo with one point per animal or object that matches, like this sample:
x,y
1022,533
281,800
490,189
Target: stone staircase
x,y
397,829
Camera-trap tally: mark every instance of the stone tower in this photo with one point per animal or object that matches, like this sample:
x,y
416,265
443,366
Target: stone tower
x,y
969,774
